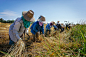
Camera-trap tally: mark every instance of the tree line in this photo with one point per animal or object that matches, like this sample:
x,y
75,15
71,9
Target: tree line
x,y
6,21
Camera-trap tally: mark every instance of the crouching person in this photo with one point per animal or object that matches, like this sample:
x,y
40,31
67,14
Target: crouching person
x,y
55,27
37,27
48,28
20,26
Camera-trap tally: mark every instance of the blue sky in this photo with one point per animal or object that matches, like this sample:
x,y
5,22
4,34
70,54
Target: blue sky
x,y
52,10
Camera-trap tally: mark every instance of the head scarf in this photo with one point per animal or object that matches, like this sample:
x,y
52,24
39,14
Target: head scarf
x,y
40,23
51,24
26,23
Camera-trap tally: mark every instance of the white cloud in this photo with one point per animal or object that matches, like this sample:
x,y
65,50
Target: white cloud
x,y
8,13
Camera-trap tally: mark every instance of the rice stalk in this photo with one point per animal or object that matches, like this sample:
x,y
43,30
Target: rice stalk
x,y
16,50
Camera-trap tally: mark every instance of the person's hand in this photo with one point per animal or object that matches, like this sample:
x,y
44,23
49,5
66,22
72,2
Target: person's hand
x,y
19,42
20,39
43,35
38,33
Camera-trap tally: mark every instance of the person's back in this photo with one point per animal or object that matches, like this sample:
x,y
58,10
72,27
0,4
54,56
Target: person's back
x,y
59,26
35,27
15,29
48,27
55,27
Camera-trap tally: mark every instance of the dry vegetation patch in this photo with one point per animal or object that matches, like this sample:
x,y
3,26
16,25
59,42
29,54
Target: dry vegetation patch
x,y
56,45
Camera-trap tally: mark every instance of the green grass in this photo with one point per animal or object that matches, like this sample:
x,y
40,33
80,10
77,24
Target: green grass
x,y
6,53
79,33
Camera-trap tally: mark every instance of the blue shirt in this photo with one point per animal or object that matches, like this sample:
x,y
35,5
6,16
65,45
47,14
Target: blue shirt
x,y
48,27
55,26
36,28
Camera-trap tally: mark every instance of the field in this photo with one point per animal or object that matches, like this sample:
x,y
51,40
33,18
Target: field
x,y
66,44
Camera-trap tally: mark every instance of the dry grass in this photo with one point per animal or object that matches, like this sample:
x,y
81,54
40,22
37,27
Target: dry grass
x,y
57,45
16,50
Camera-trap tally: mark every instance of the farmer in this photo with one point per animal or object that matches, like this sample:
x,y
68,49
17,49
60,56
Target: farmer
x,y
55,27
20,26
58,25
62,27
69,26
48,27
37,27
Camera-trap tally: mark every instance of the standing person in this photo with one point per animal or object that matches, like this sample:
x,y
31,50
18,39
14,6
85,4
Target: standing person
x,y
37,27
20,26
48,27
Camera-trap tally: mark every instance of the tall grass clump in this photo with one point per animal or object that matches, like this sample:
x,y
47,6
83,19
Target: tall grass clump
x,y
79,34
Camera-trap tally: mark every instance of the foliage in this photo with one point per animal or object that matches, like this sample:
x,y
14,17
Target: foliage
x,y
79,33
4,21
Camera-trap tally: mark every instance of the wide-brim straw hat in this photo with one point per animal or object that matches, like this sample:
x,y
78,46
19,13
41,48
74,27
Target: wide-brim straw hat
x,y
41,19
26,17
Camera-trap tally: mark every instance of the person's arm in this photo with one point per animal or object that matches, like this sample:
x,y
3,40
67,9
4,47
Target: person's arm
x,y
16,29
26,30
55,26
48,27
34,27
42,29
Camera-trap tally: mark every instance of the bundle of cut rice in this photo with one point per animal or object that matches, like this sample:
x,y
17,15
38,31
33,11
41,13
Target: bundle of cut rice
x,y
16,50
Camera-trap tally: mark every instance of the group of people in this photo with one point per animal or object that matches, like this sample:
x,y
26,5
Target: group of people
x,y
20,26
68,26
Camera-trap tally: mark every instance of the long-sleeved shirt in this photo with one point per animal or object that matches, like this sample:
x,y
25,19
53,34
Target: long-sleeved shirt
x,y
48,27
17,29
36,28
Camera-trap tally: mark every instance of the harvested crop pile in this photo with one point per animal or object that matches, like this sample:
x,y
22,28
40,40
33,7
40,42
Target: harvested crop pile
x,y
16,50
